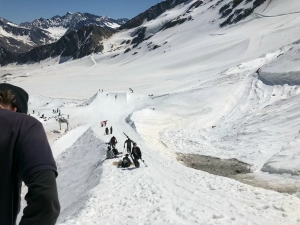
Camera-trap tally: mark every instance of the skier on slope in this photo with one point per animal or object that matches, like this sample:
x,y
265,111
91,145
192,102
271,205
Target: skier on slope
x,y
128,145
113,141
136,152
25,155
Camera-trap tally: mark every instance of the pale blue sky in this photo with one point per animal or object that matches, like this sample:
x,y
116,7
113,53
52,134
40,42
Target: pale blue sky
x,y
19,11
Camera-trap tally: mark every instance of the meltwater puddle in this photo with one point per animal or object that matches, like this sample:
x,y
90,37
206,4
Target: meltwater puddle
x,y
242,172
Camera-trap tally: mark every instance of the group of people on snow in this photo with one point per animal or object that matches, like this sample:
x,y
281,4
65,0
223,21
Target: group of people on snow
x,y
133,152
26,156
107,130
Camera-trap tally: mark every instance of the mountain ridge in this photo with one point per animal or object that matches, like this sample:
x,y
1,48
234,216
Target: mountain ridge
x,y
75,21
22,38
226,13
75,44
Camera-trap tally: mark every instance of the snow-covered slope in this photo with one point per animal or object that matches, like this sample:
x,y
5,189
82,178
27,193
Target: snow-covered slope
x,y
195,90
285,69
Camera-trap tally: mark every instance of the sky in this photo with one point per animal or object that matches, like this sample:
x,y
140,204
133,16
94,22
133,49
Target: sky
x,y
19,11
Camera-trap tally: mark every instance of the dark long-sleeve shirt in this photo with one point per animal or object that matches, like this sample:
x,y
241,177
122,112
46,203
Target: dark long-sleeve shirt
x,y
24,151
136,152
42,199
128,143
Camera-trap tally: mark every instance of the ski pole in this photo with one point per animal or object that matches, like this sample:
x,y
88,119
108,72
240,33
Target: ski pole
x,y
144,163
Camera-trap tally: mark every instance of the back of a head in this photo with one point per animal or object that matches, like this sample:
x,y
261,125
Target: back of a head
x,y
14,96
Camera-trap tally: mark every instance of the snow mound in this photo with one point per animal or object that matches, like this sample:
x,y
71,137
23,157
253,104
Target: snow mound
x,y
286,161
89,101
285,69
79,169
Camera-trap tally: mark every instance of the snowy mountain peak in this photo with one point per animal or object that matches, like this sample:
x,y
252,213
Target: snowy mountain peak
x,y
23,37
16,38
74,21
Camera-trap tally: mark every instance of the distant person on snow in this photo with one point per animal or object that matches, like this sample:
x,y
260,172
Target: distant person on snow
x,y
136,152
109,154
111,130
106,131
113,141
115,151
126,162
25,155
103,123
128,145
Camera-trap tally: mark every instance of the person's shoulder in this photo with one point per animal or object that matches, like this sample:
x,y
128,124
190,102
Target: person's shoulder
x,y
20,119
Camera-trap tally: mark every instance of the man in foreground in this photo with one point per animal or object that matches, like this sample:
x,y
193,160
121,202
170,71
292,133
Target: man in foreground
x,y
25,155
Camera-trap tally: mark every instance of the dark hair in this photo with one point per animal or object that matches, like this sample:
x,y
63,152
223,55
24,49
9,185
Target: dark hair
x,y
7,98
14,96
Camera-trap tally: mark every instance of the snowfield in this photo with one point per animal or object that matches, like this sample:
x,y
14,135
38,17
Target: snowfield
x,y
203,91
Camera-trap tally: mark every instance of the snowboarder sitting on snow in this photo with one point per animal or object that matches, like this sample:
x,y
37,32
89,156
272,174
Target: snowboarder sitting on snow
x,y
109,153
126,162
113,141
115,151
128,145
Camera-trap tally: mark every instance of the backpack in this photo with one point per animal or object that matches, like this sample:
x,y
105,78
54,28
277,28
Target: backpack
x,y
125,163
115,151
109,154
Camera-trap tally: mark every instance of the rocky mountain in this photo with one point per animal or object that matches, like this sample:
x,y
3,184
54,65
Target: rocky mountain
x,y
232,11
169,13
75,44
151,13
17,38
74,21
237,10
23,37
227,12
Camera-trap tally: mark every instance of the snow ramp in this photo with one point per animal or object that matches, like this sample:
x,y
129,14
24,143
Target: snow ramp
x,y
79,168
